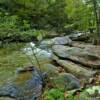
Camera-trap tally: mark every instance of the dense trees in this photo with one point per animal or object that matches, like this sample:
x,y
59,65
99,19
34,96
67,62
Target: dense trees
x,y
39,13
57,15
79,14
95,11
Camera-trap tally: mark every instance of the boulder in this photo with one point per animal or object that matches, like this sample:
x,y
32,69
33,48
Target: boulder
x,y
95,49
46,44
65,40
26,85
79,36
73,68
65,81
50,70
77,55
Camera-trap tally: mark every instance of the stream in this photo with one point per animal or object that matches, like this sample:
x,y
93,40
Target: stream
x,y
16,55
21,77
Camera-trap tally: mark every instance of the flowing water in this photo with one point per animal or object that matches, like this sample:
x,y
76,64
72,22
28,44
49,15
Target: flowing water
x,y
15,55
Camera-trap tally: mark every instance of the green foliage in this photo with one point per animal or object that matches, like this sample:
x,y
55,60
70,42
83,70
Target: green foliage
x,y
39,34
31,34
58,94
39,13
30,18
79,14
23,16
11,28
8,26
56,14
53,94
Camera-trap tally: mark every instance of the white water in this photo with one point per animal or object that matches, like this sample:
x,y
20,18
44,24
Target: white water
x,y
31,48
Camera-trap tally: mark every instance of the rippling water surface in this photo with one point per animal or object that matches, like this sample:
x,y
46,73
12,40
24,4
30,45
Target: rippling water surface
x,y
15,55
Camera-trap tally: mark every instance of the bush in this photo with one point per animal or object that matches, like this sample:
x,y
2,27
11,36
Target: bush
x,y
10,30
58,94
32,35
53,94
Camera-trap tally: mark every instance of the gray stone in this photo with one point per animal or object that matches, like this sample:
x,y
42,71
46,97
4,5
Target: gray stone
x,y
75,69
79,36
95,49
77,55
26,85
65,40
65,81
50,70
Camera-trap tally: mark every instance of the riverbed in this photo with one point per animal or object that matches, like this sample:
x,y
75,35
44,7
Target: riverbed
x,y
16,55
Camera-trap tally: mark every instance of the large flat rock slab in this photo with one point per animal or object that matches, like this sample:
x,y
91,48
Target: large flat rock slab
x,y
77,55
75,69
95,49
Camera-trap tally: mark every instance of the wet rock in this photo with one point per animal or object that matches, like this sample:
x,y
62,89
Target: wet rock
x,y
32,49
26,85
79,36
73,68
65,40
46,44
95,49
50,70
77,55
65,81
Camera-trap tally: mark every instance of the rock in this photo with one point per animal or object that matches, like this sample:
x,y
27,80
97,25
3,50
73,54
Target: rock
x,y
65,40
32,49
65,81
90,93
73,68
79,36
50,70
46,44
26,85
77,55
95,49
36,55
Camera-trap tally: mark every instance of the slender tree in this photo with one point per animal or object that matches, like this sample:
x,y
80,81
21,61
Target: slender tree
x,y
97,15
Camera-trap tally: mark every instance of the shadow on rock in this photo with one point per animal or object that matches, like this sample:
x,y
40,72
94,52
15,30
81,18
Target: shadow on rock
x,y
26,85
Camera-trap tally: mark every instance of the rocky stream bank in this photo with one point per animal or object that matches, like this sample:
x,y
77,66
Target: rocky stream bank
x,y
60,62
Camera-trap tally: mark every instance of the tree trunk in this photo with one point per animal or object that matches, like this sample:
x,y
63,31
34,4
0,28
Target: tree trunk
x,y
96,37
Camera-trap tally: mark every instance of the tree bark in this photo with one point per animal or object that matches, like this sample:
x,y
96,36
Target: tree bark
x,y
96,37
